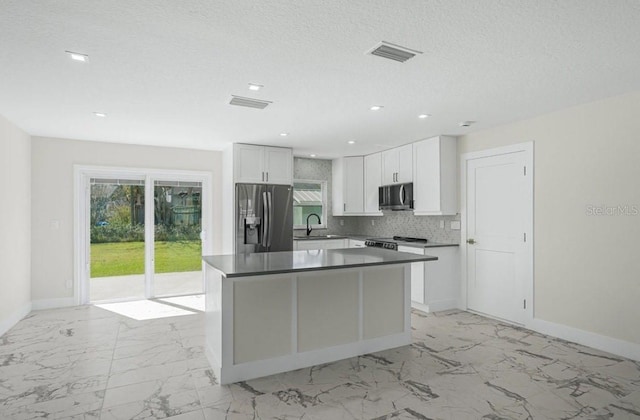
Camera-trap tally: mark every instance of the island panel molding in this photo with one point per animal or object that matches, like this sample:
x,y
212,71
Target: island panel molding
x,y
383,292
330,297
261,314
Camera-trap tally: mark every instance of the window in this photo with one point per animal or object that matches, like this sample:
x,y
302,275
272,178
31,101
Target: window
x,y
309,197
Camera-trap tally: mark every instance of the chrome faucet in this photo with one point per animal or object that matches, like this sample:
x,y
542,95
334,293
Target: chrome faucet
x,y
308,228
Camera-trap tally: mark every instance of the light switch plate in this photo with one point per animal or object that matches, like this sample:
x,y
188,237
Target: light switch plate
x,y
441,224
455,225
55,224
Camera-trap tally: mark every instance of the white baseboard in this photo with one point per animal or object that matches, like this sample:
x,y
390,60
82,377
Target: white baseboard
x,y
444,305
260,368
587,338
420,306
37,305
8,323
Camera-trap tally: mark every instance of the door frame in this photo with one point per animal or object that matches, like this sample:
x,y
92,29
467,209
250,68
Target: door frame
x,y
528,149
82,175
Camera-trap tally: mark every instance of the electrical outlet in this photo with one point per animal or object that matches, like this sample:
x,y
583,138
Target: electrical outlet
x,y
373,222
441,224
55,224
341,222
69,284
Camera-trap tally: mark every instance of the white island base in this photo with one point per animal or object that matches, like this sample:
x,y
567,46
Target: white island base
x,y
260,325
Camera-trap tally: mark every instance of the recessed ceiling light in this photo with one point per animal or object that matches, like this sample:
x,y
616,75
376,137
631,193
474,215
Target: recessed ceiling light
x,y
284,134
376,107
100,114
423,116
466,123
78,57
313,155
254,86
351,142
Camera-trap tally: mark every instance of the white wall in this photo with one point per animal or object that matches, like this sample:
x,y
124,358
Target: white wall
x,y
52,189
587,268
15,225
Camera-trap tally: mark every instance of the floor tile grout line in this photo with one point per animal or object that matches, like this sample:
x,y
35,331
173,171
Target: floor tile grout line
x,y
113,353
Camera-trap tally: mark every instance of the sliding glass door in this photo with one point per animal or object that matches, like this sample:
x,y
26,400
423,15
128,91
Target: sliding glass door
x,y
143,235
117,239
177,246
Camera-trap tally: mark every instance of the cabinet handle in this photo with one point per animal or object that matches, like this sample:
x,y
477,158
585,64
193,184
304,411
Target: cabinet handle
x,y
263,177
267,176
344,206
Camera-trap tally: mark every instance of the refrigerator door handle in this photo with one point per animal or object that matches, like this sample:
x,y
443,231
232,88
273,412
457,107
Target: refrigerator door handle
x,y
265,219
270,227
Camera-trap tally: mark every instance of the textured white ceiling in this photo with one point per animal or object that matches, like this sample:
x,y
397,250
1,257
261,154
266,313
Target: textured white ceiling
x,y
164,70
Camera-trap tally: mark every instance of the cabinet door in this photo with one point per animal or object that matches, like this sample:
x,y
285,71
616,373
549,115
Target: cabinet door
x,y
442,278
321,244
389,166
249,163
405,164
278,165
435,175
372,180
354,184
355,243
426,185
334,244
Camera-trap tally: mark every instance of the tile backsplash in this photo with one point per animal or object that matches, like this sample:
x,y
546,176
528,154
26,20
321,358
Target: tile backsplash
x,y
402,223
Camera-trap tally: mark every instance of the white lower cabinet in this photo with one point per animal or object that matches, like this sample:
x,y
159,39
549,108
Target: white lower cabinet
x,y
356,243
435,285
320,244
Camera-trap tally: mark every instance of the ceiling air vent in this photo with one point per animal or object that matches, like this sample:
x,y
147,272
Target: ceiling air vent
x,y
249,102
393,52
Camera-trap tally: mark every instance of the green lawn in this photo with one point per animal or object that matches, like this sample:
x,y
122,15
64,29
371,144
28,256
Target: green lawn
x,y
122,258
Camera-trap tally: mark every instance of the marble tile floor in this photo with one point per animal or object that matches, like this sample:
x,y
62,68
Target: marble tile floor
x,y
89,363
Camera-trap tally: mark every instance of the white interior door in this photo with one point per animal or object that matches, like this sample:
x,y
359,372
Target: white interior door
x,y
496,247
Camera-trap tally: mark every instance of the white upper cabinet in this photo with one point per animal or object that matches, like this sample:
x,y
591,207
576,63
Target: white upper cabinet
x,y
348,186
263,164
434,179
278,165
372,180
397,165
249,163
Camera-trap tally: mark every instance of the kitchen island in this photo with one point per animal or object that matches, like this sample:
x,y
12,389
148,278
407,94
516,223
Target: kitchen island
x,y
273,312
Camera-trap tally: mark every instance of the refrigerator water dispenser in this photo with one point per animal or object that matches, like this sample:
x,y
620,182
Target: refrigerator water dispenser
x,y
251,230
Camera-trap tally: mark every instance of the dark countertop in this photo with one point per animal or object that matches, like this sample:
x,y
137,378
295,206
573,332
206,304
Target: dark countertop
x,y
319,237
362,238
241,265
427,245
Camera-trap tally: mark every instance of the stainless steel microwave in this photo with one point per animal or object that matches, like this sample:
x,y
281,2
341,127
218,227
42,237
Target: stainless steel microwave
x,y
396,197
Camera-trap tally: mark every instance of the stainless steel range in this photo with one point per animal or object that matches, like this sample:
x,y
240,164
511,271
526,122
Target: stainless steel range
x,y
392,243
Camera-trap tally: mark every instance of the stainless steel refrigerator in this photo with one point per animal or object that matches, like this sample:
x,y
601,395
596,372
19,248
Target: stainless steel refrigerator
x,y
264,218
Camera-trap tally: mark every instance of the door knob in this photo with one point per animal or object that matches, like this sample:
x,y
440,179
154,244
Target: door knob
x,y
471,241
